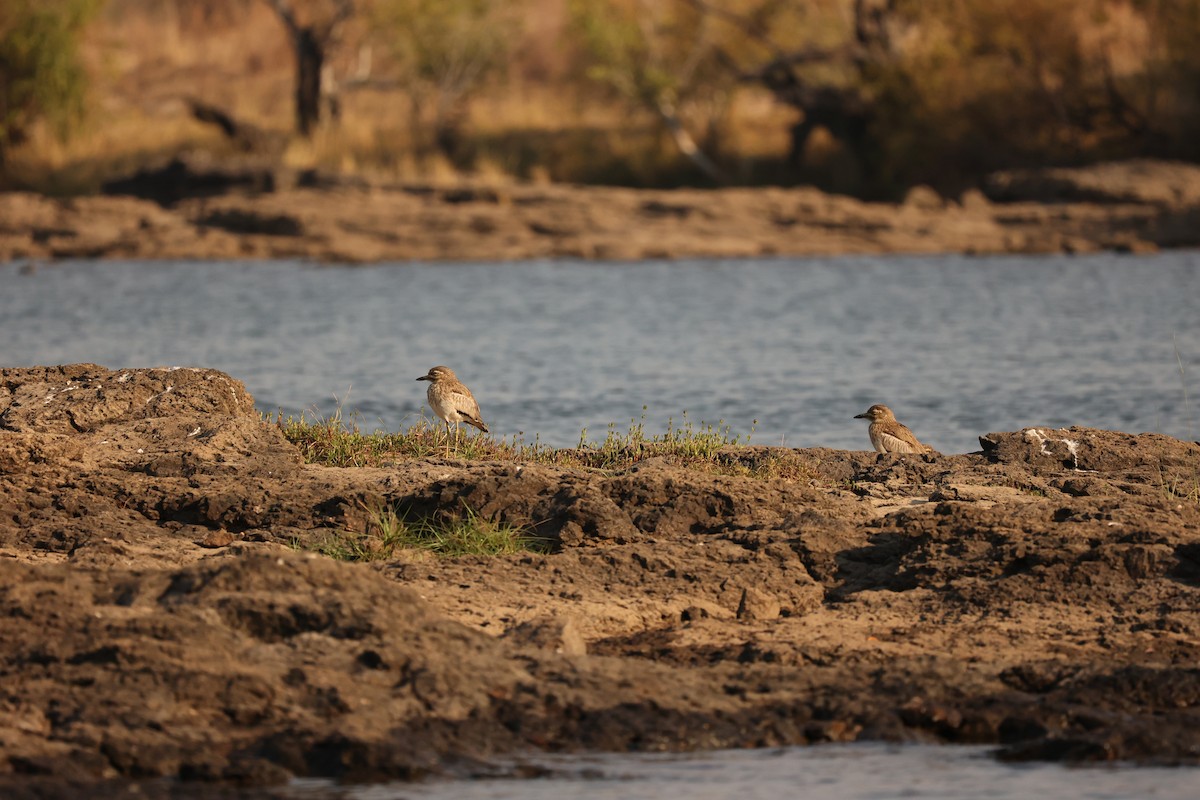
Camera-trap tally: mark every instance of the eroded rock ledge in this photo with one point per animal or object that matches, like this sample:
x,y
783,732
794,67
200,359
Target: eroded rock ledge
x,y
161,616
213,213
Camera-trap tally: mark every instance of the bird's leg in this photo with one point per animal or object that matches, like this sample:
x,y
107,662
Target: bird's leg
x,y
447,437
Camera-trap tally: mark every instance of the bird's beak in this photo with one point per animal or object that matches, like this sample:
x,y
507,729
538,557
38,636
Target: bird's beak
x,y
856,416
423,378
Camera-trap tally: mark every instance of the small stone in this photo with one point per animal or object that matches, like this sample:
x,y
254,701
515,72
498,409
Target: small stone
x,y
217,538
924,197
974,200
549,633
756,604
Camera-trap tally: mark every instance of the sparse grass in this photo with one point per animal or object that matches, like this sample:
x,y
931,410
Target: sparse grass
x,y
1176,488
389,531
686,444
760,465
334,441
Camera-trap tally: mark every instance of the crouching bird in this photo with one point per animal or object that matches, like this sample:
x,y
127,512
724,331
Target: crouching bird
x,y
888,435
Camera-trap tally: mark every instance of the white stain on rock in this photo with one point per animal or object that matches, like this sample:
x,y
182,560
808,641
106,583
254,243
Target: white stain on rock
x,y
1045,437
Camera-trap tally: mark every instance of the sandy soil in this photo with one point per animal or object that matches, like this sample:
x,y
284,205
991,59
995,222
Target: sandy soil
x,y
198,210
161,615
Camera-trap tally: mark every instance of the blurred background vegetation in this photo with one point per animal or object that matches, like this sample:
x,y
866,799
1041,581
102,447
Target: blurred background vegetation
x,y
867,97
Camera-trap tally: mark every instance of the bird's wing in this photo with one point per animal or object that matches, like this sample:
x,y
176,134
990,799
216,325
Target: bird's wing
x,y
464,403
896,441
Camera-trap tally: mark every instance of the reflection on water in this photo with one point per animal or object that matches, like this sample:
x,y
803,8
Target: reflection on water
x,y
957,346
825,772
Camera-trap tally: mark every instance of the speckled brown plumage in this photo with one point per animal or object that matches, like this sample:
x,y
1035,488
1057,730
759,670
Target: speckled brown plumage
x,y
888,435
452,401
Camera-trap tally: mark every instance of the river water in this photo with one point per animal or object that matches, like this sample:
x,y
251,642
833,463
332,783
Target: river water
x,y
824,772
784,350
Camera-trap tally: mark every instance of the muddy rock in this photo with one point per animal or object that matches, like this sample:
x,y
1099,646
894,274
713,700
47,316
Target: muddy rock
x,y
166,612
1165,183
1083,450
557,634
210,211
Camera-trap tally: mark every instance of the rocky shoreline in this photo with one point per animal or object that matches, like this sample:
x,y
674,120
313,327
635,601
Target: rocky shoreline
x,y
190,211
165,616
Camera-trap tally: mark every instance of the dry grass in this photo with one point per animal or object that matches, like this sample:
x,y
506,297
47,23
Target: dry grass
x,y
389,529
707,448
1184,487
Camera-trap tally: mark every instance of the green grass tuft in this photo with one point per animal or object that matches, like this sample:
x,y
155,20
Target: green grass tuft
x,y
335,442
388,532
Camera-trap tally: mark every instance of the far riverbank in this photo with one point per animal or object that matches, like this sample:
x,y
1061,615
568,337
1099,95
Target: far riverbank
x,y
1136,206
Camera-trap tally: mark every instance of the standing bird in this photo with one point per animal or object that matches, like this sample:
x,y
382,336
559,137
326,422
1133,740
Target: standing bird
x,y
452,402
888,435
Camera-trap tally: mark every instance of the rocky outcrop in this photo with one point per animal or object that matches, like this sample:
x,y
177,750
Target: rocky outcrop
x,y
1169,184
165,614
222,211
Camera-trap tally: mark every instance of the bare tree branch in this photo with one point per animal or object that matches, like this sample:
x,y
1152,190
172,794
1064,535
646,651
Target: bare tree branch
x,y
684,141
748,26
871,19
343,10
284,9
311,40
1126,114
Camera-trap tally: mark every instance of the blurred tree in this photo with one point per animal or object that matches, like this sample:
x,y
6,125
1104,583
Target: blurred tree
x,y
312,26
1167,94
991,84
682,59
41,77
830,80
446,50
939,91
658,56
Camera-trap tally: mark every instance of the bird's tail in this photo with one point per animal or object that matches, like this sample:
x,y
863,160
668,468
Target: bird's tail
x,y
476,423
